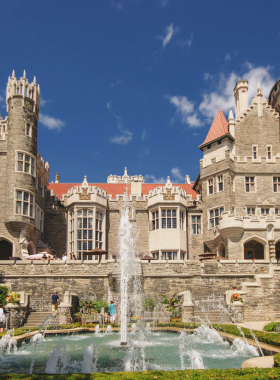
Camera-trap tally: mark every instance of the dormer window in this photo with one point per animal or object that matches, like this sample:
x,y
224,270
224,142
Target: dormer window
x,y
265,211
209,146
220,142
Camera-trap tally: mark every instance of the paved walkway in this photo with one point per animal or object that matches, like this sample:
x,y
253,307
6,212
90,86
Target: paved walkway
x,y
255,325
260,362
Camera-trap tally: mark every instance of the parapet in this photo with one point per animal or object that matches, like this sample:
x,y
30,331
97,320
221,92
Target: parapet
x,y
22,88
125,178
43,168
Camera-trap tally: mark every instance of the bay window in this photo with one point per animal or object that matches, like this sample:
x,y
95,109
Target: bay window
x,y
24,203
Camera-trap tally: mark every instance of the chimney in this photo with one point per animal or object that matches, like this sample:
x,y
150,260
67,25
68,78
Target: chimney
x,y
187,180
57,178
241,97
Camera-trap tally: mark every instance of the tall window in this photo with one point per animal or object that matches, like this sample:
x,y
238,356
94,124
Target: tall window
x,y
72,232
169,255
155,221
181,220
250,184
168,219
214,216
276,184
98,230
269,152
28,130
251,210
255,152
196,224
84,231
277,211
220,183
42,188
39,219
24,203
25,163
210,186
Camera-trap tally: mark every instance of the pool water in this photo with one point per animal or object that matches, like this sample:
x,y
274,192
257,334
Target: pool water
x,y
90,352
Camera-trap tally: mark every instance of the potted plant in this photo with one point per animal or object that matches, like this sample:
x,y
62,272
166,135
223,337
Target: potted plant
x,y
13,298
235,297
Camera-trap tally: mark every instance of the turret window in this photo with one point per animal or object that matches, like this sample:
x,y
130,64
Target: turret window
x,y
28,130
210,186
168,219
269,152
220,183
98,230
84,231
155,220
255,152
24,203
276,184
25,164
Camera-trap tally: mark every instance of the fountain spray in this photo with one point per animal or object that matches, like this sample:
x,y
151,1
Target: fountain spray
x,y
127,266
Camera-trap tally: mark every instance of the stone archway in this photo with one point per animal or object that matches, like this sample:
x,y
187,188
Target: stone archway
x,y
221,249
254,249
6,249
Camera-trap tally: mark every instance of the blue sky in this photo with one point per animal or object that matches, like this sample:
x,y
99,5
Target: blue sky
x,y
135,83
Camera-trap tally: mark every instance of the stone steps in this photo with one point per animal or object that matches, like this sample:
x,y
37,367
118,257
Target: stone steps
x,y
211,315
36,319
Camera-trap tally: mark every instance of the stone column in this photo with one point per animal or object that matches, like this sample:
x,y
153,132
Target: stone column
x,y
16,315
272,252
186,307
64,314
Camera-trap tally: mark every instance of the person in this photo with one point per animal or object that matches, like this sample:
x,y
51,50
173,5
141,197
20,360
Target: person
x,y
234,290
44,257
74,257
65,258
54,257
112,311
2,318
55,302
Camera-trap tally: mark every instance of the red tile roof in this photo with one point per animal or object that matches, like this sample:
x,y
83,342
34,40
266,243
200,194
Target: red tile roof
x,y
218,128
115,189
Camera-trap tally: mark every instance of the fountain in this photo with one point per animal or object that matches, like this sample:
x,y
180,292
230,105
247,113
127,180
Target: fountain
x,y
127,266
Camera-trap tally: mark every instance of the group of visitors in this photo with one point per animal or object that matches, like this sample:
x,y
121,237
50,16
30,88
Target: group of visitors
x,y
111,314
3,313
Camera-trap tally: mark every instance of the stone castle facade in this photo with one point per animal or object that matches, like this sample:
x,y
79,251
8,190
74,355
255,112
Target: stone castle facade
x,y
231,210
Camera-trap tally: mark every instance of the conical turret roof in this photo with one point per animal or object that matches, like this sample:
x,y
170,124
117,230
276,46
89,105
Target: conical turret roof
x,y
219,128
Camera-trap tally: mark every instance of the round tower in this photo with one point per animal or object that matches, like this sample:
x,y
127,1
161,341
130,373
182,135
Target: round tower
x,y
23,105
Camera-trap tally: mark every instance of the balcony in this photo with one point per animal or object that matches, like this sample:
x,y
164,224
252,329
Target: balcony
x,y
231,226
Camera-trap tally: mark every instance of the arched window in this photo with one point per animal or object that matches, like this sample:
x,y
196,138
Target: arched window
x,y
253,249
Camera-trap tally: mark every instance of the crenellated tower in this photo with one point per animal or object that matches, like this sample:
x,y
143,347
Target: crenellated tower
x,y
23,106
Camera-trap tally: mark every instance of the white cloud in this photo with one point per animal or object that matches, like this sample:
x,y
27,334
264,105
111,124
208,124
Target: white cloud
x,y
150,178
108,106
117,4
187,42
227,57
223,97
169,33
125,135
185,110
164,2
176,173
116,83
207,76
51,122
43,102
143,134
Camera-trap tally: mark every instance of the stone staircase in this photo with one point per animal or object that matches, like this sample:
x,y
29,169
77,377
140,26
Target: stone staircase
x,y
36,319
212,316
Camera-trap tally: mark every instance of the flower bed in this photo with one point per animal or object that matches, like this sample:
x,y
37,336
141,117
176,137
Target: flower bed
x,y
13,298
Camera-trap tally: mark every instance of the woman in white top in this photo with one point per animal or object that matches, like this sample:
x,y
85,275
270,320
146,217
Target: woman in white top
x,y
2,318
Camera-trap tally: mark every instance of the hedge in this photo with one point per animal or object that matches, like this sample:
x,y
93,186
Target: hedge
x,y
204,374
3,295
264,337
271,326
277,360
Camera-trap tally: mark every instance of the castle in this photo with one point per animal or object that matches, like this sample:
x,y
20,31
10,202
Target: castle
x,y
231,210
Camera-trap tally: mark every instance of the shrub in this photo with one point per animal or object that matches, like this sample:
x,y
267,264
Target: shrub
x,y
148,304
3,295
271,326
277,360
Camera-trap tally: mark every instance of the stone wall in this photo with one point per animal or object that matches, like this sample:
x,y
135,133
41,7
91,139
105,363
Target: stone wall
x,y
259,279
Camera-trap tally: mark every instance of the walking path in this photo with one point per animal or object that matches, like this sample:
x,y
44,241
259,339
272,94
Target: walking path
x,y
255,325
